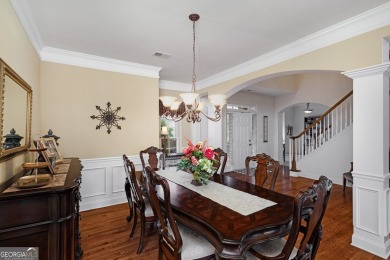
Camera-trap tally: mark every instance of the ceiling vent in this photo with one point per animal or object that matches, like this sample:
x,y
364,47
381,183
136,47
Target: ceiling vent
x,y
161,55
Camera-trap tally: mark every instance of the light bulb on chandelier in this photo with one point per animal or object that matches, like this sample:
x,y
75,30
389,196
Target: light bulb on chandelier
x,y
192,108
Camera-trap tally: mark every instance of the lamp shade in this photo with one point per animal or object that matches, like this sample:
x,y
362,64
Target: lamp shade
x,y
200,106
189,98
164,130
167,100
175,105
217,100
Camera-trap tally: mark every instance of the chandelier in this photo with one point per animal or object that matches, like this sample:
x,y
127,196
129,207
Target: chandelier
x,y
308,109
190,108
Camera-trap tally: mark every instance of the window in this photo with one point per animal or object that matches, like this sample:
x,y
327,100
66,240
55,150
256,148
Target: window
x,y
170,142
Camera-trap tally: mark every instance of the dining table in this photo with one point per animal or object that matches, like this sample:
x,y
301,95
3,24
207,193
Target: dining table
x,y
233,215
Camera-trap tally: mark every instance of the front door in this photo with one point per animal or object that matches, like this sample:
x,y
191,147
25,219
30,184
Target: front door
x,y
242,135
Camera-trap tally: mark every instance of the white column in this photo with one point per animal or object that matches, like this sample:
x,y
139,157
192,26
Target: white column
x,y
371,192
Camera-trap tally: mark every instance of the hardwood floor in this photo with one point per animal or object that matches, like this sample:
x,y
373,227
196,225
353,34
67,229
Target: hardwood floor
x,y
105,231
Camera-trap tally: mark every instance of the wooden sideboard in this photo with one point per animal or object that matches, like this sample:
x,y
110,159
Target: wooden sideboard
x,y
47,218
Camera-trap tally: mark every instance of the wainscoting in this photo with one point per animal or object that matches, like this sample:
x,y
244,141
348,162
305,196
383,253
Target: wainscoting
x,y
103,181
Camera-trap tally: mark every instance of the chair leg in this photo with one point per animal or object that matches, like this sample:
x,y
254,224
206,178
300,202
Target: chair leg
x,y
160,253
141,239
134,224
344,183
130,216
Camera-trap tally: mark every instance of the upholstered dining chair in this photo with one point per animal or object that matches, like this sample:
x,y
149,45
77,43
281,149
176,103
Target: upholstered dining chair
x,y
266,167
347,176
309,209
153,160
142,209
221,158
175,240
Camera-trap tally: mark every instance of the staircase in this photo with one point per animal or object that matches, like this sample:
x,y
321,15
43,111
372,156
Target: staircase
x,y
322,131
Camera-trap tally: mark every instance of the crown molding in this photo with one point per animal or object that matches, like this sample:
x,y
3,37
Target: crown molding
x,y
383,68
22,10
97,62
362,23
172,85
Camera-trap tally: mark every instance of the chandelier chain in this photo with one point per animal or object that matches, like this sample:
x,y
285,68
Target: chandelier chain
x,y
193,58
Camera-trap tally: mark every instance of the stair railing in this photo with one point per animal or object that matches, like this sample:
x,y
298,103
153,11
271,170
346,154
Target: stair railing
x,y
322,130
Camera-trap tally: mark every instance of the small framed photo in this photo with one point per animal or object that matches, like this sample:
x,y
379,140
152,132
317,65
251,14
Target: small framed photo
x,y
265,129
52,149
43,152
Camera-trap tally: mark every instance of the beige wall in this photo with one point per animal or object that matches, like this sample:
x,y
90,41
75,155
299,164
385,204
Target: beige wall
x,y
69,97
18,52
358,52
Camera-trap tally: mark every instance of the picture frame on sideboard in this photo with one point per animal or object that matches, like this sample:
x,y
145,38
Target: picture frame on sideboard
x,y
52,149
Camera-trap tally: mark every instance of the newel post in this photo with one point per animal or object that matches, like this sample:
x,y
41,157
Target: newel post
x,y
293,161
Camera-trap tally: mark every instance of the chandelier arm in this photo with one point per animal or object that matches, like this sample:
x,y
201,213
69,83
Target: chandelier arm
x,y
216,118
180,117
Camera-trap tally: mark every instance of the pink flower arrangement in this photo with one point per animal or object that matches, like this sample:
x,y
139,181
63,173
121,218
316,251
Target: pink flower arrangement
x,y
198,159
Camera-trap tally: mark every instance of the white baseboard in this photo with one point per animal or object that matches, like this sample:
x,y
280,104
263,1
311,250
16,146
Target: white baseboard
x,y
367,245
101,204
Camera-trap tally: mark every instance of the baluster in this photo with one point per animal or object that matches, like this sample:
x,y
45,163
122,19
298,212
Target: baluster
x,y
336,114
346,114
328,117
333,125
290,153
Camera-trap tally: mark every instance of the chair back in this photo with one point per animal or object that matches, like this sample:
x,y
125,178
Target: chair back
x,y
220,160
170,240
170,159
135,187
153,161
309,209
266,167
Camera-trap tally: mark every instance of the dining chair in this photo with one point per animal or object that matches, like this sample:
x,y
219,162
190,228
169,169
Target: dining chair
x,y
347,176
309,209
142,209
153,159
176,241
221,159
266,166
128,189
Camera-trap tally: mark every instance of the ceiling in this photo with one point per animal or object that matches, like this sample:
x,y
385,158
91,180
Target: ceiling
x,y
229,32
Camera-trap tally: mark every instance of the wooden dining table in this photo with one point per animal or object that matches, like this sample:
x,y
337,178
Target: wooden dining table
x,y
231,233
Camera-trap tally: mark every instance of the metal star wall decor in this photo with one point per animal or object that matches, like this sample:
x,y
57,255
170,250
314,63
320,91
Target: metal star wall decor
x,y
108,117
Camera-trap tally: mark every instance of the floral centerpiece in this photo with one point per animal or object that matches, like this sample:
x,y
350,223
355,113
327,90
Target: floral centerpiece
x,y
199,160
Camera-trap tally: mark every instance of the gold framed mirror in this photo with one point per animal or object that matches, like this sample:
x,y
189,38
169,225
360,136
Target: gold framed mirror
x,y
15,113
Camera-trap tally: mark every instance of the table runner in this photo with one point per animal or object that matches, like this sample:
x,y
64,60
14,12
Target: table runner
x,y
236,200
